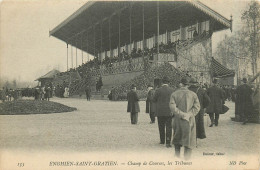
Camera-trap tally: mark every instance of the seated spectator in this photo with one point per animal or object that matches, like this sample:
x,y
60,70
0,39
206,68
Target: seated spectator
x,y
195,34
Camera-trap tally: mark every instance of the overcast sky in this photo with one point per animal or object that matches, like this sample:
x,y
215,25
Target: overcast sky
x,y
27,51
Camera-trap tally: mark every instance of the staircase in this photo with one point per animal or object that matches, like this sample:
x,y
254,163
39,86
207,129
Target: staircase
x,y
156,71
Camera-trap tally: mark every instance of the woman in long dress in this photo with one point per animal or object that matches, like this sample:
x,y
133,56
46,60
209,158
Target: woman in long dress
x,y
66,92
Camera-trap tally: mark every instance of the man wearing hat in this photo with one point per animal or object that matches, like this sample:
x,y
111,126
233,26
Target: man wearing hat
x,y
150,105
163,112
244,100
133,105
204,102
184,105
217,97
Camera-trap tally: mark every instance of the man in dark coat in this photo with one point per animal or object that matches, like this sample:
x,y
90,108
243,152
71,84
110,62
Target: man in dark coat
x,y
164,115
133,105
204,102
37,93
217,97
244,97
150,105
88,92
3,95
48,93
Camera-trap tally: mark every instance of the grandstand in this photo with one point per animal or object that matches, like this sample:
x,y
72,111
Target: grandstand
x,y
131,39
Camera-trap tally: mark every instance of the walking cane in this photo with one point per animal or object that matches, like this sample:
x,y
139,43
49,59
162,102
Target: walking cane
x,y
196,143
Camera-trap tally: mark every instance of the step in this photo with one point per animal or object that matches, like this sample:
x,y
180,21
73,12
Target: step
x,y
93,97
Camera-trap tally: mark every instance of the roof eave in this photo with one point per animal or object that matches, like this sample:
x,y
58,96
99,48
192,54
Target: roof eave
x,y
71,17
212,13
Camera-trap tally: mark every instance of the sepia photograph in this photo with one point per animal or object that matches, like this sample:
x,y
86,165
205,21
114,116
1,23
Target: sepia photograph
x,y
114,84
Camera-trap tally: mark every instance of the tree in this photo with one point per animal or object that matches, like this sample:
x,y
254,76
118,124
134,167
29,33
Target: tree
x,y
7,84
242,48
233,53
14,84
251,17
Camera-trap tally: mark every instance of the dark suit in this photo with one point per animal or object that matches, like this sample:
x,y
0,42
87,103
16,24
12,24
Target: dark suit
x,y
133,106
150,105
88,93
163,112
244,101
217,97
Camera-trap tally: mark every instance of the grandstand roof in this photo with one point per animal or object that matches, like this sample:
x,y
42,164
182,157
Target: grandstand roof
x,y
49,75
220,71
84,26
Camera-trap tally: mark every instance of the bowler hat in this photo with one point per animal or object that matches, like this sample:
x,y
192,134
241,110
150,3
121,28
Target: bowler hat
x,y
184,81
215,81
150,85
244,80
193,81
165,79
133,86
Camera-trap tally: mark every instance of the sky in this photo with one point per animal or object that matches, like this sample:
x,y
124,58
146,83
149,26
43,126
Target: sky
x,y
26,50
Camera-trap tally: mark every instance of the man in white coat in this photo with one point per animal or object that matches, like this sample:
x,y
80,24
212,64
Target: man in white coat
x,y
184,105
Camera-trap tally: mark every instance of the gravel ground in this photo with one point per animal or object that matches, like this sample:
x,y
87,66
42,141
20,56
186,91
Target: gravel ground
x,y
103,127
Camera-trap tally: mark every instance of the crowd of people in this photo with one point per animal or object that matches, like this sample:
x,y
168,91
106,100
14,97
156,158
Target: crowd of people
x,y
9,94
42,93
143,80
180,111
169,47
179,108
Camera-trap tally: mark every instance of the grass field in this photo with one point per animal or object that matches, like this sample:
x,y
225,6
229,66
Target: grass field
x,y
21,107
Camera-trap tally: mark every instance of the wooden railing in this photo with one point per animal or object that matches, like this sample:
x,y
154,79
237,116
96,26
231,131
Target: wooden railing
x,y
183,45
119,68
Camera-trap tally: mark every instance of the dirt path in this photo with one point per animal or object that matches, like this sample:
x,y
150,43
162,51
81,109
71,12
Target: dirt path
x,y
102,126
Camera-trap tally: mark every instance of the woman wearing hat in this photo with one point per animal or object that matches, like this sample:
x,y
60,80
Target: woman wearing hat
x,y
204,102
133,105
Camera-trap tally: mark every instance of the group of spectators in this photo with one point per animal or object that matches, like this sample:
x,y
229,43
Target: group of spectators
x,y
43,93
49,90
247,102
143,80
166,103
169,47
182,109
61,90
9,94
109,62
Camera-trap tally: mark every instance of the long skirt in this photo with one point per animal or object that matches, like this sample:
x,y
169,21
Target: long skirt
x,y
200,130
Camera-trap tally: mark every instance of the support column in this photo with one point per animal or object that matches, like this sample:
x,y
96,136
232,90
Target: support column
x,y
81,50
166,37
87,46
143,26
119,47
109,34
76,54
101,49
71,56
67,57
158,26
130,23
181,37
94,43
